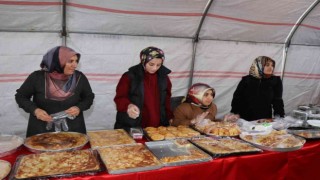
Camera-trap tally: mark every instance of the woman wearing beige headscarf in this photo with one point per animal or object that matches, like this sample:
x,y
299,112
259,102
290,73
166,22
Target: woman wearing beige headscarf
x,y
198,106
57,87
259,93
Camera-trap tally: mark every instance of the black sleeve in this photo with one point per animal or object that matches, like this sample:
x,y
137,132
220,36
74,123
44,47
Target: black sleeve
x,y
25,92
86,94
237,97
277,103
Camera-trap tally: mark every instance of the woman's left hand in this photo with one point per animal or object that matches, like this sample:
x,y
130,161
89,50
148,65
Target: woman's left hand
x,y
73,111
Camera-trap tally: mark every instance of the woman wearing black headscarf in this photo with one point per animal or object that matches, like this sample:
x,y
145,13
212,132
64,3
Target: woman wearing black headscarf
x,y
57,87
143,93
259,93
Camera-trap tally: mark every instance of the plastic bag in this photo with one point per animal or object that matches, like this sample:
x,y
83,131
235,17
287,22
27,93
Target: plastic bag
x,y
59,120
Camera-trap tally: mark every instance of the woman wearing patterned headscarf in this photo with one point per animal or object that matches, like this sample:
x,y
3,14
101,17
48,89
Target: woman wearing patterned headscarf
x,y
57,87
259,93
197,106
143,93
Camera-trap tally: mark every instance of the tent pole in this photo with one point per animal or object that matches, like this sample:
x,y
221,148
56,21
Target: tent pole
x,y
64,23
196,39
291,33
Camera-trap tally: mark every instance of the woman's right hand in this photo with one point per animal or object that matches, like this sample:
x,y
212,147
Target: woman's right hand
x,y
199,118
133,111
42,115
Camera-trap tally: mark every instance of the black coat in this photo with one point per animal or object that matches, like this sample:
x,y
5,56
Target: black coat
x,y
256,98
136,95
34,87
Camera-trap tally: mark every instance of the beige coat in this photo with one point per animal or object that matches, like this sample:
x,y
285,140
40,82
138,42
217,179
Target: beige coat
x,y
186,112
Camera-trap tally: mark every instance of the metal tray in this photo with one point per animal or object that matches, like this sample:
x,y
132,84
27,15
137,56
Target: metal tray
x,y
40,150
305,133
124,152
90,171
6,146
169,148
109,138
267,148
148,137
212,141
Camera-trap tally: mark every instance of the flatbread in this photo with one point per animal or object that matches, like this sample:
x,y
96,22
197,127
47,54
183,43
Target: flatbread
x,y
5,168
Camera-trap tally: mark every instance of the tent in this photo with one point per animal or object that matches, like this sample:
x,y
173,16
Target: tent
x,y
206,41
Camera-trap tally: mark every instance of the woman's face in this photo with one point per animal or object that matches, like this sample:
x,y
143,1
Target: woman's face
x,y
153,65
207,97
268,68
71,65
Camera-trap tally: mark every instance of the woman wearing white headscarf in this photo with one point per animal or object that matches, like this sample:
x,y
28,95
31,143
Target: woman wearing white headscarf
x,y
57,87
197,106
259,93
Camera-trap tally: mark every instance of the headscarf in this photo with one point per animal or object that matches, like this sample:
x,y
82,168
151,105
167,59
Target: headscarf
x,y
149,53
257,67
196,93
58,85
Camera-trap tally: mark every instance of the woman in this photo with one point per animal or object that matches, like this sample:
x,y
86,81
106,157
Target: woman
x,y
198,106
143,93
259,93
57,87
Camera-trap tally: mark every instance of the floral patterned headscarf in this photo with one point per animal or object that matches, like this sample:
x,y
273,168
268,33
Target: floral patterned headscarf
x,y
150,53
196,93
58,85
257,67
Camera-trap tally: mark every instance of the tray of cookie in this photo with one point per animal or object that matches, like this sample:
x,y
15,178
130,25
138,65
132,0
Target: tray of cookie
x,y
55,142
279,141
56,164
170,132
224,146
120,159
102,138
219,128
177,152
307,133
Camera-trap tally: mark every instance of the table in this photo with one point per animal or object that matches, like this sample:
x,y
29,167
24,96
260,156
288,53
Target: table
x,y
300,164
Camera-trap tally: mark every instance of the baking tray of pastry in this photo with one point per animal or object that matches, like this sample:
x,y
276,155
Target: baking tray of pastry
x,y
121,159
224,146
279,141
307,133
56,142
219,129
9,144
103,138
169,133
177,152
56,164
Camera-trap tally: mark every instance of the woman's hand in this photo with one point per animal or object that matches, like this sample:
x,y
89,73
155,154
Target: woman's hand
x,y
199,118
133,111
73,111
42,115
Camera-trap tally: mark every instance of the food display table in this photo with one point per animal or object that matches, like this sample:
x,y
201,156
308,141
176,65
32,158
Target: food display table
x,y
299,164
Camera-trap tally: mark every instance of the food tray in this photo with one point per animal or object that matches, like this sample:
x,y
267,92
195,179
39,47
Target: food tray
x,y
70,141
221,129
121,159
56,164
170,133
177,152
285,148
225,146
105,138
307,133
9,144
5,168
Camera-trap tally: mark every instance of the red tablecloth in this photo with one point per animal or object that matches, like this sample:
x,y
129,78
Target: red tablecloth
x,y
300,164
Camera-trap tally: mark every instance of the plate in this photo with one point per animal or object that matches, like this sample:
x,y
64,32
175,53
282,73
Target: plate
x,y
5,168
314,122
9,144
